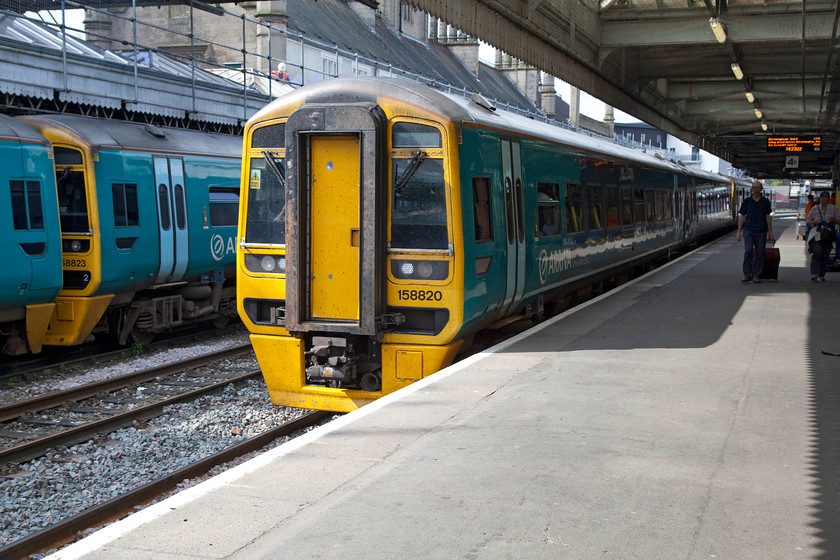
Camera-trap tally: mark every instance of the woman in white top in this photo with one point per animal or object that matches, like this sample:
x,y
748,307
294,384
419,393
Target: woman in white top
x,y
820,220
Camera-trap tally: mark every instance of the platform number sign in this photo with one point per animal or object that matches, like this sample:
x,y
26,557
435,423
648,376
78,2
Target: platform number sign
x,y
791,162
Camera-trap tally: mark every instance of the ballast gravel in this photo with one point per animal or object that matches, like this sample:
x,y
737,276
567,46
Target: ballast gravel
x,y
69,480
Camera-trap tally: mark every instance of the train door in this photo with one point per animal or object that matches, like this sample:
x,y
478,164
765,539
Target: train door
x,y
333,241
514,224
334,228
172,218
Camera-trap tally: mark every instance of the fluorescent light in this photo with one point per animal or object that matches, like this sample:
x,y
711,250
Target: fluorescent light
x,y
758,113
736,69
718,30
750,96
764,127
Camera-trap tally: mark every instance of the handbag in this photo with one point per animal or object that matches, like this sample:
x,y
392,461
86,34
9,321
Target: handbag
x,y
826,232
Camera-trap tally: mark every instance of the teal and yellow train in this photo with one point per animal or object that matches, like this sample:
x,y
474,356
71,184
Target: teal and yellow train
x,y
29,227
134,224
384,223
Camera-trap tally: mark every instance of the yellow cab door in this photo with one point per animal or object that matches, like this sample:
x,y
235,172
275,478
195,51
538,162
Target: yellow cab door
x,y
334,242
334,228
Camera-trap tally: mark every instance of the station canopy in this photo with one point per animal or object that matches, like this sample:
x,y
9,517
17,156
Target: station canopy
x,y
715,73
733,77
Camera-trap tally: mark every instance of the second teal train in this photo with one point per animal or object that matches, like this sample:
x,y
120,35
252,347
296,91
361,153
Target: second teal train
x,y
113,228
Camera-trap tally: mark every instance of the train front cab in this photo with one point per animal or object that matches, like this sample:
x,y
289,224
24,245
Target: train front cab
x,y
78,308
30,229
347,271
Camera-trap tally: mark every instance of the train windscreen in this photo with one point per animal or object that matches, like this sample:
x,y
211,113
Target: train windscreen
x,y
266,219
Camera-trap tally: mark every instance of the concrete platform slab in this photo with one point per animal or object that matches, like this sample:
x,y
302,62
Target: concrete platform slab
x,y
684,416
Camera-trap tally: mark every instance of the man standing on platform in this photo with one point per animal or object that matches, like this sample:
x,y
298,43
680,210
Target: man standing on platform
x,y
755,221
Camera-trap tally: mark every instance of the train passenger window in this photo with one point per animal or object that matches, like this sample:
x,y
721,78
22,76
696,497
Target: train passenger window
x,y
125,204
271,136
613,206
163,201
224,206
669,204
548,209
660,204
180,208
596,206
27,208
574,208
639,204
414,135
72,202
481,210
266,219
626,206
650,205
418,216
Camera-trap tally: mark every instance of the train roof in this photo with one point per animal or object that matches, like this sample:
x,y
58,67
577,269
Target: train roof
x,y
13,129
464,111
110,133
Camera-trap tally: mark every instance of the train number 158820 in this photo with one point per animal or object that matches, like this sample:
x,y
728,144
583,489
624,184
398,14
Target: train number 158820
x,y
419,295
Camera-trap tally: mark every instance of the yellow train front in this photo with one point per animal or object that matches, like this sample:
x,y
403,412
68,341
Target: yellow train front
x,y
343,309
383,223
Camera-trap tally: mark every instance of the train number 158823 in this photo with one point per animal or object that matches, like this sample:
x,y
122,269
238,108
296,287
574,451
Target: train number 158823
x,y
419,295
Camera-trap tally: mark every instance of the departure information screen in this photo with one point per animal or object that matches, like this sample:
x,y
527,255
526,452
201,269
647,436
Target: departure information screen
x,y
794,143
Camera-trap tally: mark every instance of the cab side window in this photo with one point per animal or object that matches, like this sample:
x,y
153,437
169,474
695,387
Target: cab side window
x,y
125,204
481,210
27,208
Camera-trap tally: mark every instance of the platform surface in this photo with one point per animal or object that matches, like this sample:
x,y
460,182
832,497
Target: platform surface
x,y
683,416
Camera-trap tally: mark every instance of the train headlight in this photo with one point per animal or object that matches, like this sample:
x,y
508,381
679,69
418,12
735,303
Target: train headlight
x,y
75,245
420,270
275,264
424,269
268,264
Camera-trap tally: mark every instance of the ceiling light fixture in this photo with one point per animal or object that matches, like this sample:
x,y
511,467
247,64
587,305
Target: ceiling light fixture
x,y
764,127
718,30
758,113
750,96
736,69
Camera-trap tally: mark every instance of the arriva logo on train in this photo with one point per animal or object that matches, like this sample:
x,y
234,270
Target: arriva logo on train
x,y
558,261
220,248
554,262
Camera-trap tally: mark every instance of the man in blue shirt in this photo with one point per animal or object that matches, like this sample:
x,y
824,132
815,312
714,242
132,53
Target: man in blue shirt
x,y
755,221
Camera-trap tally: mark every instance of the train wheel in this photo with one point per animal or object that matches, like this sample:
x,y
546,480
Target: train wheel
x,y
220,322
136,336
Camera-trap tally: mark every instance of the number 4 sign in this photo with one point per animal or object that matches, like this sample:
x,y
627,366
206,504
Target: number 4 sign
x,y
791,162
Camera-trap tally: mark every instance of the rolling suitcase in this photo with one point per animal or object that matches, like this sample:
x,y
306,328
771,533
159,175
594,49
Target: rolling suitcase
x,y
771,262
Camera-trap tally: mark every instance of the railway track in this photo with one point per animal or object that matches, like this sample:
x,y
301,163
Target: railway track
x,y
105,409
61,359
67,529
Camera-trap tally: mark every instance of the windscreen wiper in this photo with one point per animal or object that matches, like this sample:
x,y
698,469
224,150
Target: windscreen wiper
x,y
413,164
275,168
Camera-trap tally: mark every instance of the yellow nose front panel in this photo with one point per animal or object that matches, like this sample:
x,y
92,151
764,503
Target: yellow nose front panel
x,y
334,222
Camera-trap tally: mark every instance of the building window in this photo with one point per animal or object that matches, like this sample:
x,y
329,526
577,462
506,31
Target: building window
x,y
329,65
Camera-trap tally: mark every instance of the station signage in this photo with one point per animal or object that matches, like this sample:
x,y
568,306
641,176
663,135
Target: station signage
x,y
794,143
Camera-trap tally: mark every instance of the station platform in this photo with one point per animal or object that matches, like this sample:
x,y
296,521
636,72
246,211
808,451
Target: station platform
x,y
684,415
